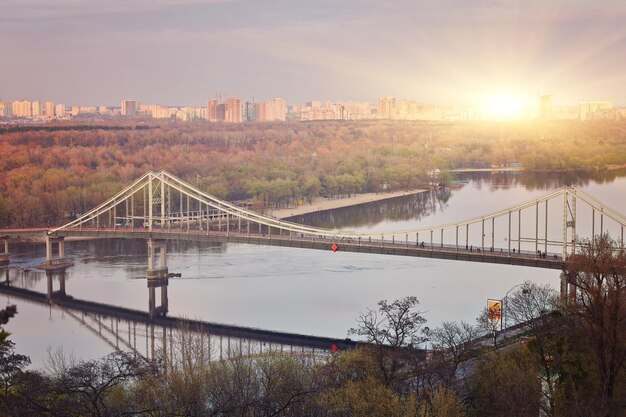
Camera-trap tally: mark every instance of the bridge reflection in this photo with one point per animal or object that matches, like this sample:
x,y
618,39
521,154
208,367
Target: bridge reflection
x,y
153,335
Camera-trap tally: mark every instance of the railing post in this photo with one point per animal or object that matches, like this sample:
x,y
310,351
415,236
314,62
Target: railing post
x,y
545,247
536,227
564,224
519,230
132,211
482,248
493,233
509,233
431,240
150,202
574,223
162,200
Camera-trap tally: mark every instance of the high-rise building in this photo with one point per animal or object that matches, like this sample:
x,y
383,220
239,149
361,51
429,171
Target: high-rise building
x,y
5,109
271,110
594,110
22,108
129,108
249,112
49,109
545,107
211,110
232,110
59,110
386,107
37,108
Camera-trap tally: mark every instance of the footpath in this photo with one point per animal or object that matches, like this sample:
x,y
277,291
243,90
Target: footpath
x,y
322,204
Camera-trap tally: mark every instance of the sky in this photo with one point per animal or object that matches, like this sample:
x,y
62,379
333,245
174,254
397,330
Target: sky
x,y
181,52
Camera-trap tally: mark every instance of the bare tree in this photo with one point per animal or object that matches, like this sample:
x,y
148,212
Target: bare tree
x,y
395,332
452,345
599,273
397,325
88,384
536,310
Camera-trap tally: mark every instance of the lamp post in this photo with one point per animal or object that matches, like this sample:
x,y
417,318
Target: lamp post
x,y
505,312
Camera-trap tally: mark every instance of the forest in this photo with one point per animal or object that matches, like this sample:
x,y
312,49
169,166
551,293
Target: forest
x,y
50,173
565,359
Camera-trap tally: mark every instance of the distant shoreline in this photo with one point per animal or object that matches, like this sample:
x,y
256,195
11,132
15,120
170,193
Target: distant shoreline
x,y
610,167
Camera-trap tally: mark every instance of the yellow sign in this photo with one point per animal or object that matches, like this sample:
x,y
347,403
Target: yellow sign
x,y
494,310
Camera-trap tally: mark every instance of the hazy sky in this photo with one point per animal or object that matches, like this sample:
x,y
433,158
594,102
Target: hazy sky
x,y
438,51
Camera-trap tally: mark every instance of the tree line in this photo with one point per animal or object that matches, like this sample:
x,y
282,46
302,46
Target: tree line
x,y
567,360
50,174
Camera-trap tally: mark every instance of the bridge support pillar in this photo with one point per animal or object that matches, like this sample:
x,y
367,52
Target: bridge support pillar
x,y
568,289
157,277
4,255
153,246
60,262
153,309
50,283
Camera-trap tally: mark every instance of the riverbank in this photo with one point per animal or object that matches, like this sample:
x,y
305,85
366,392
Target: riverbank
x,y
323,204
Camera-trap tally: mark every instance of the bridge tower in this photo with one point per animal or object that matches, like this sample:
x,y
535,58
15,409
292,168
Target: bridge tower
x,y
157,277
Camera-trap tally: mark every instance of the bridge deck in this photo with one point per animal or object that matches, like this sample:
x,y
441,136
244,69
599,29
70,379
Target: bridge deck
x,y
347,245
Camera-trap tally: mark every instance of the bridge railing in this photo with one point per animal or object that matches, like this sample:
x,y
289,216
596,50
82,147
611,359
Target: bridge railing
x,y
342,240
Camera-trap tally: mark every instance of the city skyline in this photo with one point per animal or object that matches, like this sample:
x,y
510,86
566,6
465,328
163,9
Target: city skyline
x,y
443,52
235,110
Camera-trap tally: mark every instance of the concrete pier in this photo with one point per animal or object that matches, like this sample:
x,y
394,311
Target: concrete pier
x,y
568,289
157,277
60,262
154,271
155,310
50,283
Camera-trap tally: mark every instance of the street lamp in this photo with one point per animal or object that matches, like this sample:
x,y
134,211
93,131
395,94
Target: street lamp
x,y
505,307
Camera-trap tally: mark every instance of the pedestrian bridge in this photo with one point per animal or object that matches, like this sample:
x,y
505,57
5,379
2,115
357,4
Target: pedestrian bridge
x,y
159,206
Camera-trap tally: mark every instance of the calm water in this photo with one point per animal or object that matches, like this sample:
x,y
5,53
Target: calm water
x,y
295,290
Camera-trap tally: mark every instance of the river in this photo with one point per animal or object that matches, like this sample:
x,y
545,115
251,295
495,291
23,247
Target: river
x,y
296,290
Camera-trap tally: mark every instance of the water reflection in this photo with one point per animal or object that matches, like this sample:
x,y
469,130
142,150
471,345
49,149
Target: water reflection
x,y
540,181
410,207
133,330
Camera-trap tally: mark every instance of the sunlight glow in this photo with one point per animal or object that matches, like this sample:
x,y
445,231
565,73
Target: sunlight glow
x,y
504,105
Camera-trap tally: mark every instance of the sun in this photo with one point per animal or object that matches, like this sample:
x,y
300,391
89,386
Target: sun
x,y
504,105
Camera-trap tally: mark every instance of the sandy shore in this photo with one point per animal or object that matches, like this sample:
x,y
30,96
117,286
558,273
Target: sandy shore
x,y
321,204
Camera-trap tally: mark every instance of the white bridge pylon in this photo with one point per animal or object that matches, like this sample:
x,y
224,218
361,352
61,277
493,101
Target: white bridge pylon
x,y
552,223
